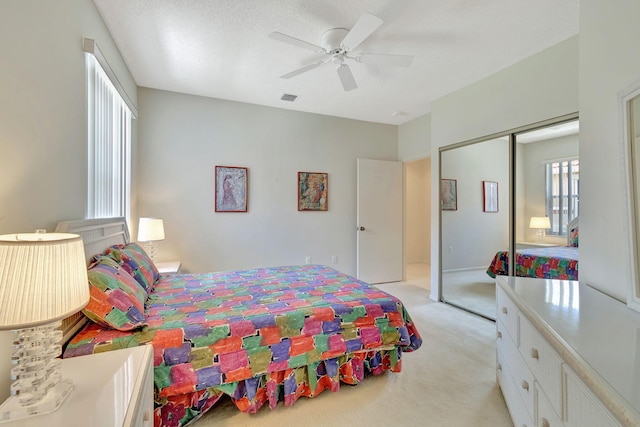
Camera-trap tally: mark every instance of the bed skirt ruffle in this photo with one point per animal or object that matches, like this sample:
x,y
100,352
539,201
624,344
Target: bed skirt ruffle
x,y
282,386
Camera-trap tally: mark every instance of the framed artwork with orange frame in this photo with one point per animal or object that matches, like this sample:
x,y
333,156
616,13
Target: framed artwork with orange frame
x,y
313,191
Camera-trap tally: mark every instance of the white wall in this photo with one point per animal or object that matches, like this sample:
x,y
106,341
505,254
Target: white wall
x,y
609,63
417,212
182,138
43,109
470,236
538,88
533,195
43,172
414,139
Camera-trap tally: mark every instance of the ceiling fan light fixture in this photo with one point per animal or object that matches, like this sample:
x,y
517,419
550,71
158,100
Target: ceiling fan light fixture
x,y
337,44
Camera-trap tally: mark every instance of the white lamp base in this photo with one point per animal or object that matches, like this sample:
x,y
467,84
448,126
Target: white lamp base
x,y
12,410
150,248
38,387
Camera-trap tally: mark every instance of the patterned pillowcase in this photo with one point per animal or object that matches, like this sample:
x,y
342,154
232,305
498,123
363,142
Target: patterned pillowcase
x,y
117,300
136,262
574,237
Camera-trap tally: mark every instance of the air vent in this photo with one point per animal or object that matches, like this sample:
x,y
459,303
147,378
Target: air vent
x,y
289,97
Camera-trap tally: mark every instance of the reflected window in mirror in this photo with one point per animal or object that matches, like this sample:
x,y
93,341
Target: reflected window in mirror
x,y
562,194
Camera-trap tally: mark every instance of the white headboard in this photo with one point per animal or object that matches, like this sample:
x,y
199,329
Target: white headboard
x,y
570,227
97,234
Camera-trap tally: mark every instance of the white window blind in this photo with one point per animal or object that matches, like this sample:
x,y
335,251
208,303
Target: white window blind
x,y
109,145
562,194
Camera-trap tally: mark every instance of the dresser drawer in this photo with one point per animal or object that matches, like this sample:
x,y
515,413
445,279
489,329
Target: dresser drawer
x,y
519,413
508,313
543,361
583,409
522,376
546,415
140,413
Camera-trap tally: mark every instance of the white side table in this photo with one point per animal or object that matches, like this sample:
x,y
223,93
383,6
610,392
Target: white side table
x,y
114,388
169,267
526,245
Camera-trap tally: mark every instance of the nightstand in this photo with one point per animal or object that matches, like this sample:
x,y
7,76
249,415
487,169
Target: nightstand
x,y
114,388
169,267
527,245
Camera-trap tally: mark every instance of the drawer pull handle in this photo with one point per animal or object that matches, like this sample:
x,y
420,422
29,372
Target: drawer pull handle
x,y
499,334
504,310
545,423
499,367
534,353
525,385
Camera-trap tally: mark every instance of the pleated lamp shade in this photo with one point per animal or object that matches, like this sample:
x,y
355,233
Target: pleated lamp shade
x,y
540,222
43,278
150,229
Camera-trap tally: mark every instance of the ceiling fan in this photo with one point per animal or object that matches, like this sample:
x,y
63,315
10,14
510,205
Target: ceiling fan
x,y
337,44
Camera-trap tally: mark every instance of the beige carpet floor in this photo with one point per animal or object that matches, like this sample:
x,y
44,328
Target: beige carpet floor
x,y
472,289
448,382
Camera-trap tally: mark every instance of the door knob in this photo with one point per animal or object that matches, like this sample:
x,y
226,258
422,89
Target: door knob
x,y
361,228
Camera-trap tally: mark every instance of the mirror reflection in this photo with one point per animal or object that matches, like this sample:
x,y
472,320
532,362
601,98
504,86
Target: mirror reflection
x,y
633,120
475,191
474,221
547,204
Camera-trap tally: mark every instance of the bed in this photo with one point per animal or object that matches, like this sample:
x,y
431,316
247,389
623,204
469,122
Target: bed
x,y
260,336
557,262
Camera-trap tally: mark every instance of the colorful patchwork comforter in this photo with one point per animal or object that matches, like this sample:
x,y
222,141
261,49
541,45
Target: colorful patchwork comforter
x,y
260,336
558,262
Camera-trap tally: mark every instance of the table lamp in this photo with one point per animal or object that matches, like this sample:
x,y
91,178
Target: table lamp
x,y
43,279
149,231
540,223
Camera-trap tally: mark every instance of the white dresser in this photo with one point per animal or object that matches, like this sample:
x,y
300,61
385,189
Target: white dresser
x,y
567,355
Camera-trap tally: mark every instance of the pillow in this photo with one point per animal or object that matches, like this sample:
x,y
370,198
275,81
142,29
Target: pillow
x,y
136,262
116,298
573,240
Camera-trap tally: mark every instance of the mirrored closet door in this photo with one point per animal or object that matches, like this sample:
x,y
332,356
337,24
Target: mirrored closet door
x,y
499,203
474,221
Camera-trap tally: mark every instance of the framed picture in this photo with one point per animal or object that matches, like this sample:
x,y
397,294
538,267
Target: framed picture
x,y
313,191
448,195
231,189
490,196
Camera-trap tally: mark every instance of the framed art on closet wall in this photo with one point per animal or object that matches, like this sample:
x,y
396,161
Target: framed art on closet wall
x,y
313,191
231,189
448,195
490,196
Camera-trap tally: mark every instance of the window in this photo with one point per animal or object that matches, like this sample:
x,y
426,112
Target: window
x,y
109,142
562,194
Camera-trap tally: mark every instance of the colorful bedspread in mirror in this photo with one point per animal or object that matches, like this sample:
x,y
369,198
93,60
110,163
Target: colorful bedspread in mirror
x,y
558,262
260,336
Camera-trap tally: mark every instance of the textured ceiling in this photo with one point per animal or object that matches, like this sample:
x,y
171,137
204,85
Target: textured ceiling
x,y
221,48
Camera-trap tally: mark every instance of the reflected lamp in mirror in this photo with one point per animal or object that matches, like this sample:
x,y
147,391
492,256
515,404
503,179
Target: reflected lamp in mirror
x,y
150,230
540,223
43,279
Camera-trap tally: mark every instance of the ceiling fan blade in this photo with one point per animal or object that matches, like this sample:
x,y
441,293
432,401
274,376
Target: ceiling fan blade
x,y
365,26
385,59
346,77
296,42
303,69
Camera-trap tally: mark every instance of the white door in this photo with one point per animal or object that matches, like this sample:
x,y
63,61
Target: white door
x,y
379,221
